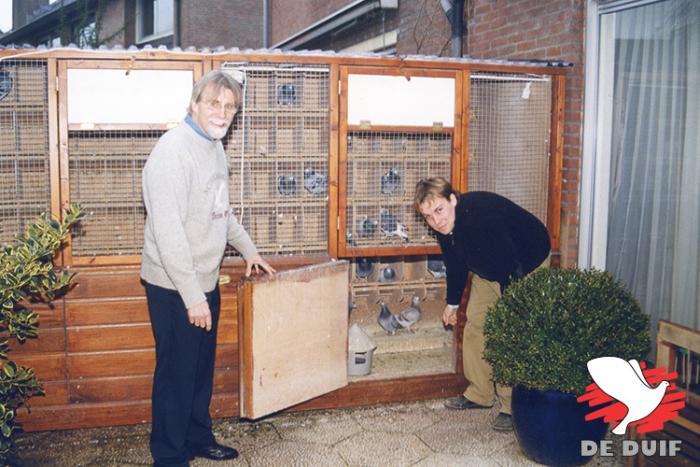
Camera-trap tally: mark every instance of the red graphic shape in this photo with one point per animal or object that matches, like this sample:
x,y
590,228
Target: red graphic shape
x,y
614,412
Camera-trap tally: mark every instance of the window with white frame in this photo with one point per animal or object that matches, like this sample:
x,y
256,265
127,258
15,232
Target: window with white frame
x,y
640,196
154,19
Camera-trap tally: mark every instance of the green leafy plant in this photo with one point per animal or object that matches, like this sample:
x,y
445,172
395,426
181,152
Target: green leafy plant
x,y
547,326
27,275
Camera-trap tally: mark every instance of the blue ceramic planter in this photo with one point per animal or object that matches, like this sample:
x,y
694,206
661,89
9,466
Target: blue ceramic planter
x,y
550,426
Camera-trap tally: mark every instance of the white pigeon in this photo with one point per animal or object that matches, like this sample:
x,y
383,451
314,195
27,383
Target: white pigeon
x,y
625,382
390,225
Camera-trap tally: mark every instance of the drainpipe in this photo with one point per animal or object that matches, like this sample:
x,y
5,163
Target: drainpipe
x,y
454,10
265,32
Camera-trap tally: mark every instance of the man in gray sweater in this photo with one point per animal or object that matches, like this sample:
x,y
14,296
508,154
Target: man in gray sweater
x,y
188,224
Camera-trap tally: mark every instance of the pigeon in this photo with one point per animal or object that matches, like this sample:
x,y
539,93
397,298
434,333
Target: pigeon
x,y
286,94
386,320
314,182
625,382
387,275
363,267
286,185
366,227
411,315
391,181
437,268
390,225
349,240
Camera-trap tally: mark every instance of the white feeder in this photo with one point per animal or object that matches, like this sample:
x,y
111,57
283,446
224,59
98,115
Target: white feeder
x,y
360,350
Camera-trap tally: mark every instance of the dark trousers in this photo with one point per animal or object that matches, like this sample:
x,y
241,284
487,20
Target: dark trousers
x,y
183,378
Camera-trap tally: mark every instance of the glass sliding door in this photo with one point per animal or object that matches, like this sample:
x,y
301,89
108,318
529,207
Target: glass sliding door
x,y
646,201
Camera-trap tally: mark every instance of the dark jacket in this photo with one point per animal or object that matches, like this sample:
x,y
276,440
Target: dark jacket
x,y
494,238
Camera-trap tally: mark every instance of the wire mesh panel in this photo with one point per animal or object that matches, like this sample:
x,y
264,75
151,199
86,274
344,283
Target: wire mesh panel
x,y
509,134
382,171
24,145
105,178
278,152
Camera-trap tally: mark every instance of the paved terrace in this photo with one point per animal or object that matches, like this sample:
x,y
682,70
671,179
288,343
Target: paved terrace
x,y
410,434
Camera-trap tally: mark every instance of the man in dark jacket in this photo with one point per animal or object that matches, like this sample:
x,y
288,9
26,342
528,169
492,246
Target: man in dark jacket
x,y
497,241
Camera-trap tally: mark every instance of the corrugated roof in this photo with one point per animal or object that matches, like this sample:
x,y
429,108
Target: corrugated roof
x,y
29,49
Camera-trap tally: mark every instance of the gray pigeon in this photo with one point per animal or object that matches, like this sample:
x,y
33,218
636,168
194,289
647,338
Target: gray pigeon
x,y
363,267
386,320
314,182
286,185
366,227
349,240
387,275
410,315
390,225
391,181
437,268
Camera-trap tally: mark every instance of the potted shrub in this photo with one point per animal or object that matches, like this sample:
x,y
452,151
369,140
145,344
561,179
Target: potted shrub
x,y
539,337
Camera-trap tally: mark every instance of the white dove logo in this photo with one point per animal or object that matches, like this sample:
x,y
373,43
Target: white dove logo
x,y
625,382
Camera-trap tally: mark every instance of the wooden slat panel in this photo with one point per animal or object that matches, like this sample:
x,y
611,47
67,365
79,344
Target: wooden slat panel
x,y
228,332
128,362
56,394
127,311
107,311
121,282
112,337
132,362
47,366
128,337
49,340
133,388
89,415
50,316
390,390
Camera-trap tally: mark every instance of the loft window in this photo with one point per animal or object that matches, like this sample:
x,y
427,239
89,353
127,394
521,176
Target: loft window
x,y
154,18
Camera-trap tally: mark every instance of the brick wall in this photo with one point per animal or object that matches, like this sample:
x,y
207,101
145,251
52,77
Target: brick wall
x,y
231,23
541,29
288,17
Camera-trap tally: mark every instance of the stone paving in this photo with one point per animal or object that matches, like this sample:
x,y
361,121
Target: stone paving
x,y
411,434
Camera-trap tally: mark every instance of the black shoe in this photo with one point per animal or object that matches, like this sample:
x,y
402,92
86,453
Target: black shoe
x,y
214,451
503,422
460,403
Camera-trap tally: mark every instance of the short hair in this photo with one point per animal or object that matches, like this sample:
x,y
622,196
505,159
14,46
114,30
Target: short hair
x,y
431,188
217,80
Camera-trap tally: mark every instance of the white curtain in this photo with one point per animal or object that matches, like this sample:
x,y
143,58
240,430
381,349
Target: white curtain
x,y
654,207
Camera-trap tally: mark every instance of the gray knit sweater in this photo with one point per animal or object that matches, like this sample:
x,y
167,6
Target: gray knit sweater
x,y
188,216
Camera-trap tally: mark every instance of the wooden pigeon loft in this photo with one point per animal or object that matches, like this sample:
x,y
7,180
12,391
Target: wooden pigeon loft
x,y
324,156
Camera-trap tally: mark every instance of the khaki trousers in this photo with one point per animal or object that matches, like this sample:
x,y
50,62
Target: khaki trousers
x,y
481,389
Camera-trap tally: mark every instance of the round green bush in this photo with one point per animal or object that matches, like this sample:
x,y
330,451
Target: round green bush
x,y
547,326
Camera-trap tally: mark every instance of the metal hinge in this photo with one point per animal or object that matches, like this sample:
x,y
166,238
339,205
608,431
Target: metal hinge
x,y
337,223
340,86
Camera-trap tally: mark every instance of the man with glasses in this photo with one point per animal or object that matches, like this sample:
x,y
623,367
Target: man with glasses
x,y
496,240
189,222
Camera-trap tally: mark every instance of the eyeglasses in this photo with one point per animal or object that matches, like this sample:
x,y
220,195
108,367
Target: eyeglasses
x,y
216,105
